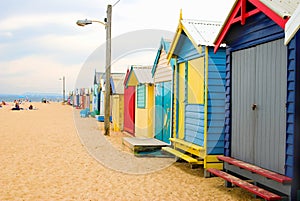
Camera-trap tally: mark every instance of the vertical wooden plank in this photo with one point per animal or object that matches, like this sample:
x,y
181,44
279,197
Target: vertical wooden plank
x,y
271,91
243,117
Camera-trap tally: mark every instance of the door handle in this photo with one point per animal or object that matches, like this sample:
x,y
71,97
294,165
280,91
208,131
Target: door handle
x,y
254,106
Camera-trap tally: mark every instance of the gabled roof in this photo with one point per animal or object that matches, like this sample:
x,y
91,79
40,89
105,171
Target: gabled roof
x,y
98,76
198,31
139,75
164,45
292,26
116,82
277,10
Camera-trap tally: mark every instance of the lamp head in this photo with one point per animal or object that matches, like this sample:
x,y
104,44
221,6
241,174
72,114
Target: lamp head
x,y
83,22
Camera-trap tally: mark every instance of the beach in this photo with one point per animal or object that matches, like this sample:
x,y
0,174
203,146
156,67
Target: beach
x,y
44,157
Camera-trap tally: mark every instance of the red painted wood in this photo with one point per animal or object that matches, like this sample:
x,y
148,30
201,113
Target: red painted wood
x,y
226,27
268,12
255,169
241,6
243,12
248,14
245,185
129,108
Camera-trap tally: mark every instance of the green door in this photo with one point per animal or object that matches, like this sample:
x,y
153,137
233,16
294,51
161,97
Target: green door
x,y
163,111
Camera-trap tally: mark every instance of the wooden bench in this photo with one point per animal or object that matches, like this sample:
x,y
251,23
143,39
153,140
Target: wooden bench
x,y
180,155
254,169
245,185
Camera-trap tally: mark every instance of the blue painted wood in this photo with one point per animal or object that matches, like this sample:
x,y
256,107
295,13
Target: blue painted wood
x,y
163,111
216,101
141,96
185,49
260,29
290,107
293,115
194,127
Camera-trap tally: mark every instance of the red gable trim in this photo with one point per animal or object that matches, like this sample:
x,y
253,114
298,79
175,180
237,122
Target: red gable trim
x,y
241,6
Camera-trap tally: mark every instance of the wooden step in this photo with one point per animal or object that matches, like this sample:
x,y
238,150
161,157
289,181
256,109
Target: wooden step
x,y
187,144
255,169
245,185
180,155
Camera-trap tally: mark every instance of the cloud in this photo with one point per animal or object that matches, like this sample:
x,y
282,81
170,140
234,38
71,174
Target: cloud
x,y
37,73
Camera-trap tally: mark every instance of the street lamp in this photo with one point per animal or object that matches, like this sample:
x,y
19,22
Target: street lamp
x,y
87,22
64,88
107,64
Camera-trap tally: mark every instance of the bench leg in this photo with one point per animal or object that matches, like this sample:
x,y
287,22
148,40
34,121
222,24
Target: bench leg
x,y
228,184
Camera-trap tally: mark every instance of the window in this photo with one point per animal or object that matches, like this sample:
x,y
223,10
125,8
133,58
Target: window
x,y
195,82
141,96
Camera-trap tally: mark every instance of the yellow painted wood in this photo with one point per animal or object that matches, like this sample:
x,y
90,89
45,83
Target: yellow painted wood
x,y
118,112
188,149
132,80
144,116
174,102
187,144
212,158
218,166
181,97
196,81
206,99
180,155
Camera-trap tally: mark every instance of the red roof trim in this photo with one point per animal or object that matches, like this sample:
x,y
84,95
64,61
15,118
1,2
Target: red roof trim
x,y
268,12
241,5
227,26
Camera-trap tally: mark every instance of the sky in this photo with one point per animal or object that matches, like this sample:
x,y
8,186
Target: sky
x,y
40,41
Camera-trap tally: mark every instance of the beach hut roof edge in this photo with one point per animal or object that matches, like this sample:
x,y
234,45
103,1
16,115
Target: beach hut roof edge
x,y
164,45
200,32
292,26
279,11
140,75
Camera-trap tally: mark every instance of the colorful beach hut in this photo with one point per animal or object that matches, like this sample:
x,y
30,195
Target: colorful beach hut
x,y
199,94
117,100
141,78
129,106
162,74
97,92
262,99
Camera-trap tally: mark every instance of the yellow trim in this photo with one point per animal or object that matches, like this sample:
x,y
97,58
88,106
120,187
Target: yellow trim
x,y
174,43
181,28
206,99
218,166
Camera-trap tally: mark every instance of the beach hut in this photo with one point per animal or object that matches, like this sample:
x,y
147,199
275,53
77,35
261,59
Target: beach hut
x,y
162,74
129,106
117,101
199,94
262,99
97,89
141,78
116,88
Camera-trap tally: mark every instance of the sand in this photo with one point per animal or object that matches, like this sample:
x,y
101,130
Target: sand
x,y
44,157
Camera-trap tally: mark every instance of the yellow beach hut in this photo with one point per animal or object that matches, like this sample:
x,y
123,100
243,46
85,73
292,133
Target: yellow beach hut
x,y
199,94
141,78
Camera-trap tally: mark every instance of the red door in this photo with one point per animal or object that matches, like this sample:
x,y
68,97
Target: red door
x,y
129,110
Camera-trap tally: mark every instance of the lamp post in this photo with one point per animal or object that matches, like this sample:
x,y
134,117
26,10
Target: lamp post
x,y
64,88
107,64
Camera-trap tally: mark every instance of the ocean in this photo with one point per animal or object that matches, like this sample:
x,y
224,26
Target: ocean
x,y
31,97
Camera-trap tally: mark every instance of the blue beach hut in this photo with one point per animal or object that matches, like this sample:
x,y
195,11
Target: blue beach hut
x,y
199,93
262,99
162,74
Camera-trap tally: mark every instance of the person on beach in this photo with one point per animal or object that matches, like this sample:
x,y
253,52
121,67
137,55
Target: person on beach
x,y
17,106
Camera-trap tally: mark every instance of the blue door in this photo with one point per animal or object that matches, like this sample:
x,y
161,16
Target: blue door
x,y
163,111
